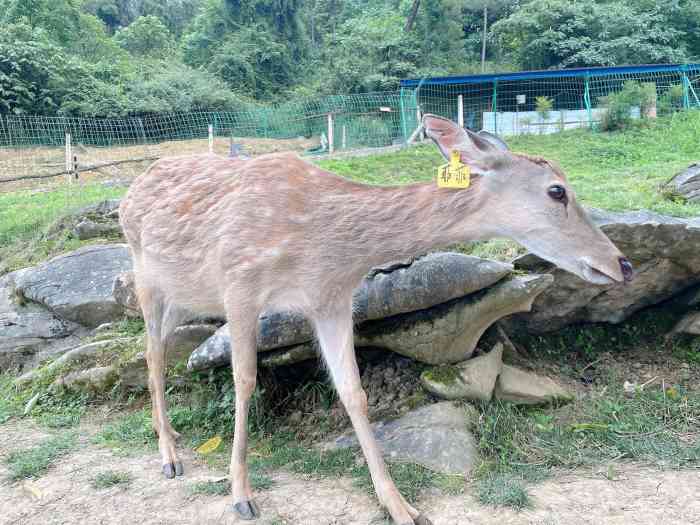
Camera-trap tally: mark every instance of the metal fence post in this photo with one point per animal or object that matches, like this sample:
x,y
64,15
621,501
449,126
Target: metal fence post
x,y
587,99
330,133
460,110
494,106
686,87
210,132
404,129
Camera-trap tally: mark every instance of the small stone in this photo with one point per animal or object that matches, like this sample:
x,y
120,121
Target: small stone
x,y
474,379
525,388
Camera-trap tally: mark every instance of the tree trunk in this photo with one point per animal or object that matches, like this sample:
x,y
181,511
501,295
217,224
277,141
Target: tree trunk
x,y
412,16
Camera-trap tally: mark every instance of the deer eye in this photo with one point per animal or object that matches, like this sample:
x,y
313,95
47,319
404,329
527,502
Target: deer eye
x,y
557,192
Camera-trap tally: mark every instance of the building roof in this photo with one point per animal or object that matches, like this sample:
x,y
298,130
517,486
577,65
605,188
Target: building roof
x,y
551,73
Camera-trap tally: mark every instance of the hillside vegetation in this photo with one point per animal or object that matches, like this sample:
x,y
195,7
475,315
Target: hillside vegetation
x,y
124,57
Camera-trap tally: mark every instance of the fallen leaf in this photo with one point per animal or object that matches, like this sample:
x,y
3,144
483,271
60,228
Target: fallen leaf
x,y
209,446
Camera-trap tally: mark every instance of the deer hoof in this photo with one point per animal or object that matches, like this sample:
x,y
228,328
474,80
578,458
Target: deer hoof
x,y
171,470
422,520
246,510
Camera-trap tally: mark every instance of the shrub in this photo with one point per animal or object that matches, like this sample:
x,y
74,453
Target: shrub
x,y
618,114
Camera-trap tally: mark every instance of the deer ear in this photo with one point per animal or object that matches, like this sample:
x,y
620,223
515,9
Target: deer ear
x,y
477,152
495,140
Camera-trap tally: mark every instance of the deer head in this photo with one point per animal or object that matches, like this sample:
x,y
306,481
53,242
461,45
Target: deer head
x,y
529,200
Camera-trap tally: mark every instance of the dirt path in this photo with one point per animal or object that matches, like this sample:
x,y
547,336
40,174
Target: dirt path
x,y
637,495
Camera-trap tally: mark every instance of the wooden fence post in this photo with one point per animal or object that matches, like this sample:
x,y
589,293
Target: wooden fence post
x,y
211,138
69,158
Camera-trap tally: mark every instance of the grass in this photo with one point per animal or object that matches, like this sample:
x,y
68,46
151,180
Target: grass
x,y
656,425
500,490
111,478
130,433
281,451
615,171
258,481
33,462
24,213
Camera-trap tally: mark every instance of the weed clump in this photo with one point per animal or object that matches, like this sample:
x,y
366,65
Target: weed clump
x,y
33,462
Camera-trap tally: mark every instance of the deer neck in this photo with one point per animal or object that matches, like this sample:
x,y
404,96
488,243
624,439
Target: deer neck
x,y
393,223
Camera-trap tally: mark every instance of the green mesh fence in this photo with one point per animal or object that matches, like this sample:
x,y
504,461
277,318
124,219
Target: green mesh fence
x,y
549,101
507,104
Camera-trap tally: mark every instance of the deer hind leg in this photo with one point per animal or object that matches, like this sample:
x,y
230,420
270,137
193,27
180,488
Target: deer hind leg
x,y
160,319
336,338
243,323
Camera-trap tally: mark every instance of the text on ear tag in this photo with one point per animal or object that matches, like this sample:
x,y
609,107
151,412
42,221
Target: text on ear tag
x,y
454,174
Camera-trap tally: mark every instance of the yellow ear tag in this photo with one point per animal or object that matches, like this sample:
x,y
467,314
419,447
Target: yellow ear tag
x,y
454,174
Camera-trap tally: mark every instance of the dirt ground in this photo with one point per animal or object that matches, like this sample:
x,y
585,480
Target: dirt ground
x,y
635,495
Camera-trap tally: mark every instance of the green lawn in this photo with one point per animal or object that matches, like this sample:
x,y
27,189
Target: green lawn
x,y
614,171
25,213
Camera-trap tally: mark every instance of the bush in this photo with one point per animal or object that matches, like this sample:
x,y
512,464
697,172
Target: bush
x,y
671,100
363,131
618,114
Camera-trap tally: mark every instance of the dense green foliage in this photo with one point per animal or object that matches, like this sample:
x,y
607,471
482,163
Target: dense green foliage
x,y
117,57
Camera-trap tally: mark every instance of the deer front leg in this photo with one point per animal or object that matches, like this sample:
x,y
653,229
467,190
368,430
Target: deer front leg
x,y
336,338
244,363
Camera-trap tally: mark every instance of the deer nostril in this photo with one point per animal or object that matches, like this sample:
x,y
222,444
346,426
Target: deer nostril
x,y
627,269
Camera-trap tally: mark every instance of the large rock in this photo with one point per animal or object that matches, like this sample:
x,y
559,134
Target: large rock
x,y
448,333
78,286
686,184
391,290
689,324
474,379
525,388
435,436
664,251
96,380
26,328
430,280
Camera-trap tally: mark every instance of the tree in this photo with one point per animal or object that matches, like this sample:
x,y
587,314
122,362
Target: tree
x,y
556,33
146,36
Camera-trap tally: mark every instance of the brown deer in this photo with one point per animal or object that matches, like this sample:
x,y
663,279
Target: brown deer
x,y
228,237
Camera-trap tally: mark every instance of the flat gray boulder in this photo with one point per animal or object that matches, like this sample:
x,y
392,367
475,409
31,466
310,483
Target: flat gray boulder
x,y
394,289
474,379
26,328
78,286
434,436
686,184
665,252
525,388
430,280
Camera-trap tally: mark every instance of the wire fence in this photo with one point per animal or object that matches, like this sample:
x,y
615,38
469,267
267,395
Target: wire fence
x,y
543,102
50,166
39,148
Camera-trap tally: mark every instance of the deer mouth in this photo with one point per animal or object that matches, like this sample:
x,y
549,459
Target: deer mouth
x,y
595,276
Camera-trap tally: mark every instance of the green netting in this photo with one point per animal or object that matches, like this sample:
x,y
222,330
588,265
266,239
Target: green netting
x,y
547,105
505,106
